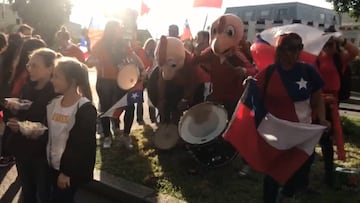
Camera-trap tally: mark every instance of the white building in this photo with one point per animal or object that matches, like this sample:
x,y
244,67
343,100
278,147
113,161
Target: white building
x,y
260,17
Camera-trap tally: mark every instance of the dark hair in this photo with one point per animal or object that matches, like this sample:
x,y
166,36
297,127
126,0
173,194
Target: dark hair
x,y
48,56
330,29
110,33
204,33
24,27
63,34
284,40
75,71
3,40
15,42
28,47
173,28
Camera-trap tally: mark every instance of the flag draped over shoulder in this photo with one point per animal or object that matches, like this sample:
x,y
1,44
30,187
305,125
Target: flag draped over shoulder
x,y
270,145
131,97
208,3
263,50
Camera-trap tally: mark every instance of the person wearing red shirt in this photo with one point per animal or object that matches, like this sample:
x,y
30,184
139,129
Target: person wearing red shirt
x,y
67,48
336,52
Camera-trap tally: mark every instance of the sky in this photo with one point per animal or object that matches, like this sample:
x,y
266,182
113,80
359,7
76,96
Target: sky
x,y
165,12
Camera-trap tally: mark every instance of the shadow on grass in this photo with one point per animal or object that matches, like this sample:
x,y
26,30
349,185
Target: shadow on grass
x,y
129,164
178,174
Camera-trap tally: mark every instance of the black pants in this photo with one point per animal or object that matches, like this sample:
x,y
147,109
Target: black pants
x,y
273,191
327,149
35,179
61,195
139,112
109,93
128,118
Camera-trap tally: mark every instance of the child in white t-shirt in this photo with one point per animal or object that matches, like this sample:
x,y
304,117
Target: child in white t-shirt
x,y
72,127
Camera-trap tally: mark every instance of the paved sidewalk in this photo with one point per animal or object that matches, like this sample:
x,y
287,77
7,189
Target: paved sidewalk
x,y
105,188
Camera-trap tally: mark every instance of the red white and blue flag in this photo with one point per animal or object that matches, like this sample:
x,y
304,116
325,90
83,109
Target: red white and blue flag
x,y
131,97
263,50
274,146
186,35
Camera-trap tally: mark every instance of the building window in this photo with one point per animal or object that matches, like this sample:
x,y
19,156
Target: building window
x,y
248,15
283,14
322,17
264,14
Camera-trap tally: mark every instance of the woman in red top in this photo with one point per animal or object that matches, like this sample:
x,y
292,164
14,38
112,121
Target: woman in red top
x,y
67,48
336,52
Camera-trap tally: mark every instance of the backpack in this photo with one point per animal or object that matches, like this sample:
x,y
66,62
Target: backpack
x,y
345,78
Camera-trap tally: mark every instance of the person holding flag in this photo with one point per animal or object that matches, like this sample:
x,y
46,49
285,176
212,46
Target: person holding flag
x,y
274,116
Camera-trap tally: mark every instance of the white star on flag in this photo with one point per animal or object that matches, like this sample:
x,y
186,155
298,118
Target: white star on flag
x,y
302,83
134,96
129,98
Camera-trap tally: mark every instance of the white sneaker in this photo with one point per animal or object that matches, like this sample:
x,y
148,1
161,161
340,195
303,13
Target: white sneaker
x,y
99,136
127,141
107,142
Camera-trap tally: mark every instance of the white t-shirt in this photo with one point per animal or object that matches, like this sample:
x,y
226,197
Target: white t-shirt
x,y
60,122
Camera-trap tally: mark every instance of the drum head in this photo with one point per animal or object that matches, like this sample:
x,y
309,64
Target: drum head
x,y
202,123
166,137
128,76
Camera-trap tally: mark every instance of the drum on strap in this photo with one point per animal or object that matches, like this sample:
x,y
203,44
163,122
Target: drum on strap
x,y
128,76
201,127
166,136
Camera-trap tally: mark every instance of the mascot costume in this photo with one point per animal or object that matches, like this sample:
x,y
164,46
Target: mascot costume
x,y
225,62
174,80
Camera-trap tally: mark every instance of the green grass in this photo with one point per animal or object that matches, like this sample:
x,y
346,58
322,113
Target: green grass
x,y
170,172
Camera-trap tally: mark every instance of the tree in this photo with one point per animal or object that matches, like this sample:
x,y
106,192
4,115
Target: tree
x,y
347,6
45,16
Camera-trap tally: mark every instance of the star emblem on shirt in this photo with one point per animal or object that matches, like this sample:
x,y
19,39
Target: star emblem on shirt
x,y
302,83
134,96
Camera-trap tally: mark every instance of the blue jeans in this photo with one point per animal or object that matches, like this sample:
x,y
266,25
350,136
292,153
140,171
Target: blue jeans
x,y
34,176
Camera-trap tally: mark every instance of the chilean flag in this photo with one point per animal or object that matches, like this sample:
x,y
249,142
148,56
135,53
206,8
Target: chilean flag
x,y
131,97
273,146
96,29
186,35
263,50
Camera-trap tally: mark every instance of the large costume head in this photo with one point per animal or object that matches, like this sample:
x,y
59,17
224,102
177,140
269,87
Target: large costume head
x,y
170,56
226,34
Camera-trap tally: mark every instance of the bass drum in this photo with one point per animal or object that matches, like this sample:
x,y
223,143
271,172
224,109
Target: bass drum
x,y
201,128
152,86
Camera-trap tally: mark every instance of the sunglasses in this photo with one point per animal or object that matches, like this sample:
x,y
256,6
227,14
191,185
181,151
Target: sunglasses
x,y
291,48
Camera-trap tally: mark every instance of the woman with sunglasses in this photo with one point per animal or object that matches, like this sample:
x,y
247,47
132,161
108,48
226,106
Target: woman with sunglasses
x,y
291,91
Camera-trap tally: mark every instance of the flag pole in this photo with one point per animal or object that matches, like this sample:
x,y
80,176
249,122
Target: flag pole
x,y
205,21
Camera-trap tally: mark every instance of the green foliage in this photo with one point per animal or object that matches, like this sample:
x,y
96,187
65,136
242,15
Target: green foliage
x,y
46,16
347,6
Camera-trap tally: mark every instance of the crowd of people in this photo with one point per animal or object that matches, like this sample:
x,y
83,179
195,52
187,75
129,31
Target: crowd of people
x,y
52,167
